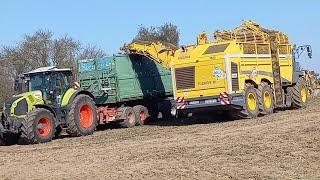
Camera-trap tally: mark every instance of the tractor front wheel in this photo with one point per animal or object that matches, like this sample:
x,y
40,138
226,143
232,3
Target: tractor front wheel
x,y
82,117
38,127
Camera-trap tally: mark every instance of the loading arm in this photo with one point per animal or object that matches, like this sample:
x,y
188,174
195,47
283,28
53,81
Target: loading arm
x,y
157,51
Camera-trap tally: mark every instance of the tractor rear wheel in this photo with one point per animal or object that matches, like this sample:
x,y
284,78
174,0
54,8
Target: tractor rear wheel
x,y
38,127
82,117
265,96
128,117
300,94
142,114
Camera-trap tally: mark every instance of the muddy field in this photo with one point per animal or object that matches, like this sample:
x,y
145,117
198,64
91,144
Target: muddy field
x,y
284,145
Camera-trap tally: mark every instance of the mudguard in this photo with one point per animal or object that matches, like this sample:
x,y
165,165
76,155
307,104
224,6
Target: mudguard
x,y
71,94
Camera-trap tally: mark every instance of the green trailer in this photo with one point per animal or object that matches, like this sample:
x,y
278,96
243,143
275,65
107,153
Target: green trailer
x,y
127,88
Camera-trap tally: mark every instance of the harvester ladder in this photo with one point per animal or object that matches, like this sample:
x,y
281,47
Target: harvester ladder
x,y
274,46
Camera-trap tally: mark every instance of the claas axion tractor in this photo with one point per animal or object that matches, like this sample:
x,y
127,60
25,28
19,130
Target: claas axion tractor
x,y
51,102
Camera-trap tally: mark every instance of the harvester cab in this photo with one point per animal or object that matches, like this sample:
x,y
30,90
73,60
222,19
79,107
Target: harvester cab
x,y
48,104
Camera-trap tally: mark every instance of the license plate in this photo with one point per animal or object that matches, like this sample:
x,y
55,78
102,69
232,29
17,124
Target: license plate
x,y
210,101
194,102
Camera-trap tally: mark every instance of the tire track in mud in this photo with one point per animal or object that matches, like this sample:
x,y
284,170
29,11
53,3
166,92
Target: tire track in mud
x,y
279,146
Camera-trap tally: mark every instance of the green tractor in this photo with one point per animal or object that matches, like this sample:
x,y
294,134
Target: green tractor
x,y
50,103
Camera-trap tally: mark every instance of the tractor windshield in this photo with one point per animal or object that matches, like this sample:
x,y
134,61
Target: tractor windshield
x,y
39,81
51,84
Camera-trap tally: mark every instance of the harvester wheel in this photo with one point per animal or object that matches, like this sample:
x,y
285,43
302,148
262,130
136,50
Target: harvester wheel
x,y
128,117
38,127
82,117
265,96
166,110
300,94
251,103
142,114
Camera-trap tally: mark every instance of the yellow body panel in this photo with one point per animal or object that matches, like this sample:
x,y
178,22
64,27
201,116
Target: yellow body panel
x,y
210,68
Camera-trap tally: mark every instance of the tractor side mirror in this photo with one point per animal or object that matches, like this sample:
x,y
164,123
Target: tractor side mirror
x,y
309,51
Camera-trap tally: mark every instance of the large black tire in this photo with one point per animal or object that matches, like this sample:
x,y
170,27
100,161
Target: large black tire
x,y
265,97
142,114
11,139
128,117
57,134
300,94
1,135
289,97
250,107
38,127
166,110
1,142
82,118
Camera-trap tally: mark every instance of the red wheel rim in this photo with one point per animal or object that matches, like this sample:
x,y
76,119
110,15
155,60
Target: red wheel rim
x,y
130,117
86,116
44,127
143,116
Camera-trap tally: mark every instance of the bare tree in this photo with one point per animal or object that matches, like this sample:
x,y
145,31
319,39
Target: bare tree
x,y
38,50
6,88
65,51
167,33
91,52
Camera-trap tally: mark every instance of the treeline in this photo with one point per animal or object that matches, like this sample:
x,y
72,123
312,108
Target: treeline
x,y
38,50
41,49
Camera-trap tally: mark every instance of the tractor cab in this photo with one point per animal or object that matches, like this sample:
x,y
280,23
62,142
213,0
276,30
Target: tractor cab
x,y
51,81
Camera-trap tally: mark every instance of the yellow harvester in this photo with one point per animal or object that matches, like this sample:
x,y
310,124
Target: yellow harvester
x,y
250,69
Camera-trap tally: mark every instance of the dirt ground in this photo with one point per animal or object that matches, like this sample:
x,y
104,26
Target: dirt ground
x,y
284,145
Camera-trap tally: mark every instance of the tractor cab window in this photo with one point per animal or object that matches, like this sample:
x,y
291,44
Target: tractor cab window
x,y
62,82
64,79
40,82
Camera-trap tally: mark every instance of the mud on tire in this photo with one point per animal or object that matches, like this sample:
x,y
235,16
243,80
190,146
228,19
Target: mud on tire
x,y
128,117
142,114
82,117
248,111
300,94
38,127
265,97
